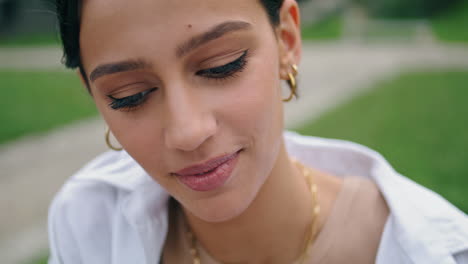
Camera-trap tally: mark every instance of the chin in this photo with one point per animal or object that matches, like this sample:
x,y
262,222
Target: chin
x,y
235,199
225,202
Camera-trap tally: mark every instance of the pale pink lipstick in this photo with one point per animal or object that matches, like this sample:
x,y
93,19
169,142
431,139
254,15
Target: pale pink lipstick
x,y
209,175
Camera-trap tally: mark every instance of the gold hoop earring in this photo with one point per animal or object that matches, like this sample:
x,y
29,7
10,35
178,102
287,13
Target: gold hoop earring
x,y
109,144
292,83
295,69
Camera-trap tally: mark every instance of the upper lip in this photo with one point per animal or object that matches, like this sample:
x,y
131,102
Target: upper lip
x,y
206,166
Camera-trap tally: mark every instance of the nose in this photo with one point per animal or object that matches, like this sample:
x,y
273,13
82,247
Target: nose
x,y
190,122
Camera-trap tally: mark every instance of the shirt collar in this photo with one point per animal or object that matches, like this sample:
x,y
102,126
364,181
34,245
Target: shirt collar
x,y
115,168
425,225
420,228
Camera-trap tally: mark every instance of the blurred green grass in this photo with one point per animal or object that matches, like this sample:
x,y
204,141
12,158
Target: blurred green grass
x,y
38,101
29,40
417,121
327,29
39,260
452,26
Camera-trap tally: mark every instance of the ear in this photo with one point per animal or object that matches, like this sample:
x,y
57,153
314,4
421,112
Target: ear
x,y
289,37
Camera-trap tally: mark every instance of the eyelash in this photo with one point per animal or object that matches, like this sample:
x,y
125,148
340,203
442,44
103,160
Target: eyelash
x,y
131,101
223,72
226,71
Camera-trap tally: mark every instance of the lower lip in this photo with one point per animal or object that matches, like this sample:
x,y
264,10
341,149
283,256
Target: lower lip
x,y
211,180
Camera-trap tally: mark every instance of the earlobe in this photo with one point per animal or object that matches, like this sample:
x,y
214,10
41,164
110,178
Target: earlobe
x,y
289,36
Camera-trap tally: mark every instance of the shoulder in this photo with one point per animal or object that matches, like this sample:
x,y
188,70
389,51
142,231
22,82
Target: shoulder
x,y
89,212
78,212
422,226
98,185
81,210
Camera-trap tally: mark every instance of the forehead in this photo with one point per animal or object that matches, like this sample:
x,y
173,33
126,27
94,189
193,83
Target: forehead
x,y
111,25
165,8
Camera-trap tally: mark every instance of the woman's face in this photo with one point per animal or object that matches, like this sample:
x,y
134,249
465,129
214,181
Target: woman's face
x,y
187,82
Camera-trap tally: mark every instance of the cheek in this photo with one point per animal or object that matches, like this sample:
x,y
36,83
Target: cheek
x,y
255,105
143,141
139,134
255,114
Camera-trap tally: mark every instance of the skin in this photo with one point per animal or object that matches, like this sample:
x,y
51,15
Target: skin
x,y
191,118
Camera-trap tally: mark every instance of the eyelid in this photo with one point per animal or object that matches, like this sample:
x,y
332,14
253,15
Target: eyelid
x,y
129,90
221,59
236,64
131,101
214,61
144,92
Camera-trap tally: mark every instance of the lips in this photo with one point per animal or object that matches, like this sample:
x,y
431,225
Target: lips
x,y
209,175
204,167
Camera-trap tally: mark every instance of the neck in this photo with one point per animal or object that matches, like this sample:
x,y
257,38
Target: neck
x,y
271,230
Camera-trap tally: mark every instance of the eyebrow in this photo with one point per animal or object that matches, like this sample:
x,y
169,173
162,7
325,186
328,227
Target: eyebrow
x,y
116,67
212,34
183,49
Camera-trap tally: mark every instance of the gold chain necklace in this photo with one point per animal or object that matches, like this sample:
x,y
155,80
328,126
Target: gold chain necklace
x,y
310,236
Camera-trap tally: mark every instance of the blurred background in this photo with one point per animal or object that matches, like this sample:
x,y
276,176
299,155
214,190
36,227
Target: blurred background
x,y
389,74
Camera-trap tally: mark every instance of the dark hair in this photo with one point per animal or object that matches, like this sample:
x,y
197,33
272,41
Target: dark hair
x,y
68,15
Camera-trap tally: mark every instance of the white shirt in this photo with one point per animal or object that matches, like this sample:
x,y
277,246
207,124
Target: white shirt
x,y
111,211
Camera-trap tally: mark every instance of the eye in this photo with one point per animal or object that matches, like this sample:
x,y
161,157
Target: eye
x,y
226,70
131,101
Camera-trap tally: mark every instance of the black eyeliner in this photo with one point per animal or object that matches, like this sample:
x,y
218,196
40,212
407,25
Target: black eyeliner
x,y
227,70
129,101
217,73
